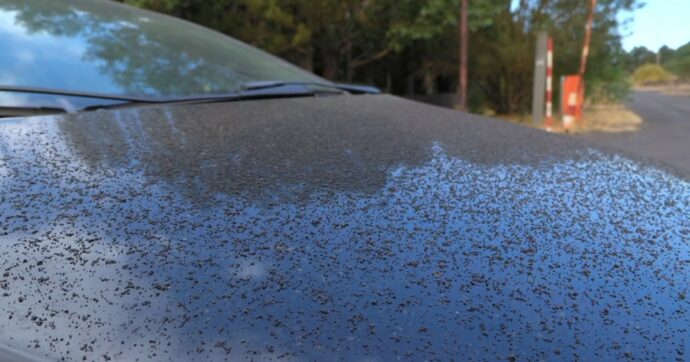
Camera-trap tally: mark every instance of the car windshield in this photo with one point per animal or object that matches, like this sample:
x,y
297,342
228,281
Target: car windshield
x,y
105,47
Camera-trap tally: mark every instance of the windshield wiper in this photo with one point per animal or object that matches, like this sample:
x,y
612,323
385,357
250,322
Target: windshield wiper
x,y
342,87
29,111
247,91
70,93
124,100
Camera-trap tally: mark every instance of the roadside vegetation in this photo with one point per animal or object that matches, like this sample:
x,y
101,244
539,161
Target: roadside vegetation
x,y
666,71
650,74
410,47
677,61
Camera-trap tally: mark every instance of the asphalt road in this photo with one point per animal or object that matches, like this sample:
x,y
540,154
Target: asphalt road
x,y
665,132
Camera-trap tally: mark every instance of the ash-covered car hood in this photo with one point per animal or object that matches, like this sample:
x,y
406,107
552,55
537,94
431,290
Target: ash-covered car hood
x,y
346,227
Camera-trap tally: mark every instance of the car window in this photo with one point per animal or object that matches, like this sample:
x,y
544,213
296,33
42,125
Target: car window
x,y
105,47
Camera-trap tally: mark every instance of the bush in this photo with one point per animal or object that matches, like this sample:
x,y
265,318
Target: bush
x,y
651,74
608,85
602,92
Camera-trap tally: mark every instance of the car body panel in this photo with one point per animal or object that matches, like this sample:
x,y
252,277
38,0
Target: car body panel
x,y
327,228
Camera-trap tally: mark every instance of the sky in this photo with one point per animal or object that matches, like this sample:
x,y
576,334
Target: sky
x,y
658,23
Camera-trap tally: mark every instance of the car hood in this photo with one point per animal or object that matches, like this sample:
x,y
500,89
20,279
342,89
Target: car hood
x,y
343,227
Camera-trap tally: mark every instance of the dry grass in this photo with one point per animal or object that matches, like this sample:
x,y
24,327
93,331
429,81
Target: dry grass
x,y
523,119
597,118
609,118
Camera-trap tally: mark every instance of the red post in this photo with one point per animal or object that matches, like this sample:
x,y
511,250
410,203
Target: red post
x,y
549,83
588,37
583,59
572,99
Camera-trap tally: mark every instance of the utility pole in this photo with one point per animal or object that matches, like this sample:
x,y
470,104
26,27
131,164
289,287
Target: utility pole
x,y
539,85
463,38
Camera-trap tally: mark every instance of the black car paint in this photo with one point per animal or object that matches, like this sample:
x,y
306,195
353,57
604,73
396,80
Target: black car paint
x,y
346,227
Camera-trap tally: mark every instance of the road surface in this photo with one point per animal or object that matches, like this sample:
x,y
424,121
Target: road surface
x,y
665,132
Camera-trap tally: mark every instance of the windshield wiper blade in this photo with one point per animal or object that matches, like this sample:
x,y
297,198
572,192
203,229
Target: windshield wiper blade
x,y
126,100
213,98
272,84
247,91
336,87
116,97
261,93
249,86
70,93
21,111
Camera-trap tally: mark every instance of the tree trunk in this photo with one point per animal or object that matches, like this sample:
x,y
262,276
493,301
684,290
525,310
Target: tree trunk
x,y
462,82
308,60
409,84
429,83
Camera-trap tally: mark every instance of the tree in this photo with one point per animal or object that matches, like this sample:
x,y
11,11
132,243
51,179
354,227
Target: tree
x,y
464,39
679,64
665,54
639,56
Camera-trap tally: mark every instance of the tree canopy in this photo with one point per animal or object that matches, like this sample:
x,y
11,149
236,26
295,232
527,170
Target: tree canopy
x,y
677,61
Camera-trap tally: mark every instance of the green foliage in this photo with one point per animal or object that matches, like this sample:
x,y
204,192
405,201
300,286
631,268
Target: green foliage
x,y
640,56
666,54
679,62
651,74
430,19
614,87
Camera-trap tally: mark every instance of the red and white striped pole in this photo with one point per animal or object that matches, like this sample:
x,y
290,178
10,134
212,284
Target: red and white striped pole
x,y
549,83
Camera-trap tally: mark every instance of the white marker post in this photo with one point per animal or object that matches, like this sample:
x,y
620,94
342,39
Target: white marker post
x,y
549,84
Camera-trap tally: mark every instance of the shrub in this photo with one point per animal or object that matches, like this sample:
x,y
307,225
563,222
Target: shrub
x,y
609,85
651,74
